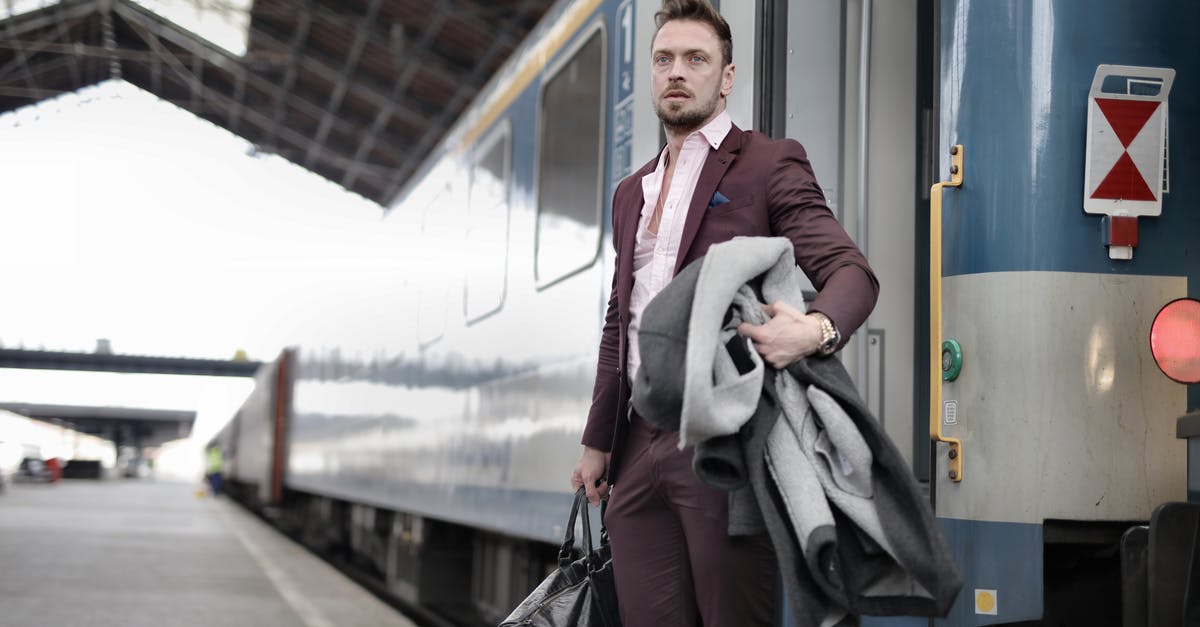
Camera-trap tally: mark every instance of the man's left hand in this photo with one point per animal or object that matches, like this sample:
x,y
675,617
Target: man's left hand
x,y
789,335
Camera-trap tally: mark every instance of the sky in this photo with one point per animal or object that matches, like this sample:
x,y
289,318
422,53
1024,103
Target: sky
x,y
126,218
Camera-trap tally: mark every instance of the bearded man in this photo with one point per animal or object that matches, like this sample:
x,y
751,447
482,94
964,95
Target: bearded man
x,y
674,560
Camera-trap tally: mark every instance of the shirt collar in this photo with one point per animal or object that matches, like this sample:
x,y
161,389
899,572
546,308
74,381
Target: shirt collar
x,y
717,128
713,133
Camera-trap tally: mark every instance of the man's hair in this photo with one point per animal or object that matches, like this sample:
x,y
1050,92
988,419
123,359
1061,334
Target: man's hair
x,y
699,11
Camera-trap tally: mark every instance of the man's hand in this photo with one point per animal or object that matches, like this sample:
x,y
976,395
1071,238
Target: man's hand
x,y
591,472
789,335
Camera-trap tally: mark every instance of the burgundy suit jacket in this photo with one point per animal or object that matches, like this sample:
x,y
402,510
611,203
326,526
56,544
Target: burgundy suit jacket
x,y
772,192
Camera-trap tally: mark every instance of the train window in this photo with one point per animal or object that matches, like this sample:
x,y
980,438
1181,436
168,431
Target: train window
x,y
487,228
437,248
570,164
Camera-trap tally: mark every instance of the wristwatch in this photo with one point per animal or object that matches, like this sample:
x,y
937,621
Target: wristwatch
x,y
830,336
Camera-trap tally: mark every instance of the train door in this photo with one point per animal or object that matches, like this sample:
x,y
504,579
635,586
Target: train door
x,y
850,81
843,81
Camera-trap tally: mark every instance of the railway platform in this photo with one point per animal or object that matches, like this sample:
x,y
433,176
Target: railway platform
x,y
134,553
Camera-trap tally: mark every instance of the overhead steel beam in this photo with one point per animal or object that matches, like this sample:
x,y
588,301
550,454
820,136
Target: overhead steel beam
x,y
434,64
363,89
452,109
108,30
361,35
50,65
198,72
44,18
470,11
428,34
234,115
99,52
145,427
145,27
250,114
19,52
63,32
156,74
289,75
74,412
60,32
94,362
30,93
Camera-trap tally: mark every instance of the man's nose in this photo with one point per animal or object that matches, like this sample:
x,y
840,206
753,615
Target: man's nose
x,y
676,70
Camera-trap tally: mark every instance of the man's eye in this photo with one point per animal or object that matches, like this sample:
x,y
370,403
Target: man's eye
x,y
661,59
697,59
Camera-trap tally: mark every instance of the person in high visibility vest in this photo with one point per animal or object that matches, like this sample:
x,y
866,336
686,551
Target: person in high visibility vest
x,y
214,468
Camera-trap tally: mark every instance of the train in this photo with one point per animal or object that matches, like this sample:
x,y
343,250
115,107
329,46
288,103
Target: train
x,y
1022,175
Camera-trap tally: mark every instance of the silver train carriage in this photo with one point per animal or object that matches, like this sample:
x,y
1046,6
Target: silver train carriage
x,y
1009,355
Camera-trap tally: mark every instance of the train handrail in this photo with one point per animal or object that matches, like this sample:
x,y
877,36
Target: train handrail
x,y
935,314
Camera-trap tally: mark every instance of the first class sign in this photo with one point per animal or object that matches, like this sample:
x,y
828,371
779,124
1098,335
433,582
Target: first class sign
x,y
1126,150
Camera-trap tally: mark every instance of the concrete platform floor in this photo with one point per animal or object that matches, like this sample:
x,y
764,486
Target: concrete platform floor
x,y
138,553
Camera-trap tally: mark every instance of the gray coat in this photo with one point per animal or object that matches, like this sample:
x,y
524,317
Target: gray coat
x,y
821,473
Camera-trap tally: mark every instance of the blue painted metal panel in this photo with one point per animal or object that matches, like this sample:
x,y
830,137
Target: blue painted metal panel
x,y
1014,90
893,621
1015,81
1006,557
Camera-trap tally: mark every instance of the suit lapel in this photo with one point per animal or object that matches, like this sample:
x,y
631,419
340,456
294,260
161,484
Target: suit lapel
x,y
715,166
629,206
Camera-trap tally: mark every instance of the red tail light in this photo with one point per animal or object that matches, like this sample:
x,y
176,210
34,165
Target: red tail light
x,y
1175,340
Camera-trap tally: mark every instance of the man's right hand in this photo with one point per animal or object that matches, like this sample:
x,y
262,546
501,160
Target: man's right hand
x,y
591,472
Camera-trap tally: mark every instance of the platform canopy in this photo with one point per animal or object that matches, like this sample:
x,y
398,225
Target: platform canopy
x,y
122,425
357,91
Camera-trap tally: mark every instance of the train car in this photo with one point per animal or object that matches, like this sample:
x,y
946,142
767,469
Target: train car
x,y
1010,356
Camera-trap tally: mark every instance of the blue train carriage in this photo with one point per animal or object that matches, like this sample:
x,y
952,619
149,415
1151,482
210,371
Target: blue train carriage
x,y
1069,222
431,439
431,443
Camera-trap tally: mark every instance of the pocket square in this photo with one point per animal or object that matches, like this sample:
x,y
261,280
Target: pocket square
x,y
717,199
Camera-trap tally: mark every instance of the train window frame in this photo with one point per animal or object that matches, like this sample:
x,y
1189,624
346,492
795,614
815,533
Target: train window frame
x,y
501,134
444,193
598,29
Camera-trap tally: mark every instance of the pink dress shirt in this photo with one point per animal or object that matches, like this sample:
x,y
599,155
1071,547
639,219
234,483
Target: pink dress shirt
x,y
654,255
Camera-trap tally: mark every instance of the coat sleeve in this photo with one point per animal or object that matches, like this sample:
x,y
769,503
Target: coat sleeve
x,y
602,416
846,286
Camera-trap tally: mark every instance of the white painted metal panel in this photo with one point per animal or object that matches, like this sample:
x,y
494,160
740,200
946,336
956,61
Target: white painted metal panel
x,y
1061,410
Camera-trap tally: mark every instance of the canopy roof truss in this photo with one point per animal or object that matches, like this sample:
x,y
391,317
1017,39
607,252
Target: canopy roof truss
x,y
357,91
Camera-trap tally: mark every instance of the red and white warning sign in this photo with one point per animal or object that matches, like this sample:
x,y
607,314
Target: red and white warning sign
x,y
1126,141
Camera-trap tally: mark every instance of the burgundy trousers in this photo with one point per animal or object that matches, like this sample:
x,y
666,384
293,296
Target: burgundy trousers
x,y
673,558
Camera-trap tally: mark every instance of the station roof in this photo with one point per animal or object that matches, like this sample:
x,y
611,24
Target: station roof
x,y
110,362
357,91
128,425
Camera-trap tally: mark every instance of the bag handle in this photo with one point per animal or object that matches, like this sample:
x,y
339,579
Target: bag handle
x,y
564,552
603,527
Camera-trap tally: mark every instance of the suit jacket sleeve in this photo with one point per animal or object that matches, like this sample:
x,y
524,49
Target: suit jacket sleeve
x,y
602,417
846,285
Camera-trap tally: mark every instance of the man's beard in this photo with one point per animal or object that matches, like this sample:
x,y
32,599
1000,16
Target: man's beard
x,y
685,120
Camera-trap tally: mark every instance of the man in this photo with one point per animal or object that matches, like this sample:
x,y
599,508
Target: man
x,y
215,466
674,561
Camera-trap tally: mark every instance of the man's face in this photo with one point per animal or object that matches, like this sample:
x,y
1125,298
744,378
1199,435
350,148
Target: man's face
x,y
688,78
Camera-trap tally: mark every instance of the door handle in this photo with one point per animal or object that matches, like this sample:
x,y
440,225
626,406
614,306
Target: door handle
x,y
935,314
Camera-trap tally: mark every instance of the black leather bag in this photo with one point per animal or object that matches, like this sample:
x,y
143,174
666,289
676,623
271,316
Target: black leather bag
x,y
581,592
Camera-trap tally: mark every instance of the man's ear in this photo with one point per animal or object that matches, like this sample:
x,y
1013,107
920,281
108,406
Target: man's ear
x,y
727,80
